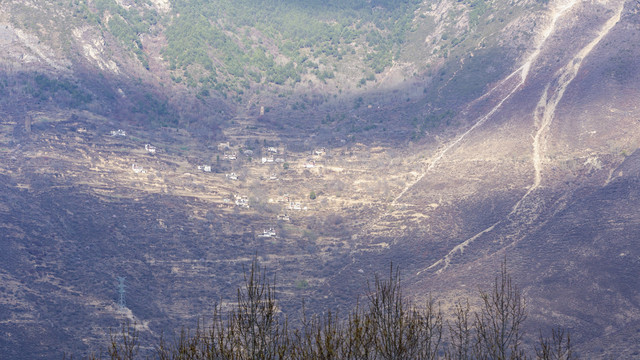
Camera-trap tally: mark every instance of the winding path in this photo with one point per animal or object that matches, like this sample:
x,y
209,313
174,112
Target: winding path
x,y
543,117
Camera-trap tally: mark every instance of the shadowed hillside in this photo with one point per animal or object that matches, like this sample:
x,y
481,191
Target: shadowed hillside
x,y
154,140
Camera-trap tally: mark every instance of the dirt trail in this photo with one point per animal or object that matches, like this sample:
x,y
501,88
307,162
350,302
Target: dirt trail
x,y
543,117
523,70
546,108
556,12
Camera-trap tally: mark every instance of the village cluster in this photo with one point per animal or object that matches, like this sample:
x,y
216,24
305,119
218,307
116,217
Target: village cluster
x,y
269,155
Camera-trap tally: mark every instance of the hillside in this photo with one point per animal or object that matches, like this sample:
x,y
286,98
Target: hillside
x,y
252,51
327,139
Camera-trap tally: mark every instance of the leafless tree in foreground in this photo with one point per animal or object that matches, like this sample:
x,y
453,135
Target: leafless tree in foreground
x,y
388,326
556,347
400,330
460,333
498,324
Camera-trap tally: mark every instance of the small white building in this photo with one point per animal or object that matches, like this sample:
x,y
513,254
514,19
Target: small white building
x,y
223,146
267,159
204,168
138,169
310,164
232,176
118,132
268,234
295,205
230,155
272,149
150,148
283,217
242,201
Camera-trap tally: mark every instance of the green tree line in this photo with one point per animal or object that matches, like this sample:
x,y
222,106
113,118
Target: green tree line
x,y
213,44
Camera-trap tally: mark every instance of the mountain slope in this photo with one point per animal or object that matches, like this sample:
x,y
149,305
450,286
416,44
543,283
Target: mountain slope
x,y
493,130
535,180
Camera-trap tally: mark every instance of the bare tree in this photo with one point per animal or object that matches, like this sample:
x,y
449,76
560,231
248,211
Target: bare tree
x,y
358,341
389,326
402,331
557,347
252,330
428,334
254,325
460,333
125,346
319,339
498,325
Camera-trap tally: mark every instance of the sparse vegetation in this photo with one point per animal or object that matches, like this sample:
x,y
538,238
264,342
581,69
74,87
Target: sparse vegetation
x,y
388,326
75,211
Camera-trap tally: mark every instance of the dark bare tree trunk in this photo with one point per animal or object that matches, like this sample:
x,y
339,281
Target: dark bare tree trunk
x,y
460,333
557,347
498,325
401,331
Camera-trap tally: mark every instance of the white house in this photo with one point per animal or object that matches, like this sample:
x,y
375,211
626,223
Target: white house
x,y
295,205
267,234
137,169
283,217
242,201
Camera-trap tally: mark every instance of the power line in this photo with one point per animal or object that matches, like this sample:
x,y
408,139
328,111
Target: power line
x,y
122,304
